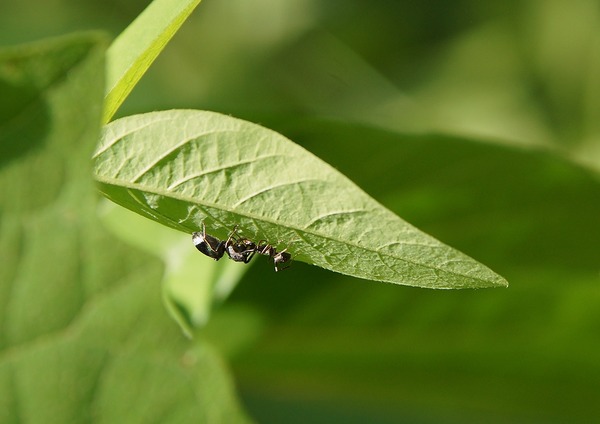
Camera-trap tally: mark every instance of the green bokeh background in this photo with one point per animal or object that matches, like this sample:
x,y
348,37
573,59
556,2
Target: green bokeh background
x,y
478,122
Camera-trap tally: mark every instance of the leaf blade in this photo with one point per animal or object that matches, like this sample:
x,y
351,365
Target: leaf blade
x,y
134,50
83,336
185,167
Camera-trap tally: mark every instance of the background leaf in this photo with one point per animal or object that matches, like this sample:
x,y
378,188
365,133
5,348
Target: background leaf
x,y
193,166
332,348
83,335
409,349
192,285
134,50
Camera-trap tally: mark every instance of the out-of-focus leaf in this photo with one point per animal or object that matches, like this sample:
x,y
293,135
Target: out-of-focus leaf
x,y
192,283
83,336
134,50
182,168
531,77
532,215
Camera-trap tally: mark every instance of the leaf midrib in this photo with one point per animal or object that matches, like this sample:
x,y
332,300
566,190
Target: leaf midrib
x,y
142,188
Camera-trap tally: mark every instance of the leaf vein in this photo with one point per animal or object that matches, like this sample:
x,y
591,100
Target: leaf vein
x,y
269,188
121,137
311,222
408,243
221,168
184,198
174,148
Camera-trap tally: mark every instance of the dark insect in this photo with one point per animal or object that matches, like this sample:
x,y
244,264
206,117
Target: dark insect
x,y
209,245
279,258
239,249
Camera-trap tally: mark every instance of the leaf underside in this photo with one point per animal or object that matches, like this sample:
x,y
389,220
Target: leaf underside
x,y
184,167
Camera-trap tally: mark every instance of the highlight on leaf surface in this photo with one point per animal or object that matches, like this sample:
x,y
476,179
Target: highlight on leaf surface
x,y
185,167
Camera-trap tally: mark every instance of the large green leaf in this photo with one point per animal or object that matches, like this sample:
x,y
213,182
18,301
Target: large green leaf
x,y
83,335
182,168
134,50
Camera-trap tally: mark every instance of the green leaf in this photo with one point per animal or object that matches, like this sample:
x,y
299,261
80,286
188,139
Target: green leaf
x,y
83,335
531,214
190,286
134,50
182,168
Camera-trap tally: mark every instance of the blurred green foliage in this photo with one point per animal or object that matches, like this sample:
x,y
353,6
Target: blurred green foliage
x,y
83,336
476,122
